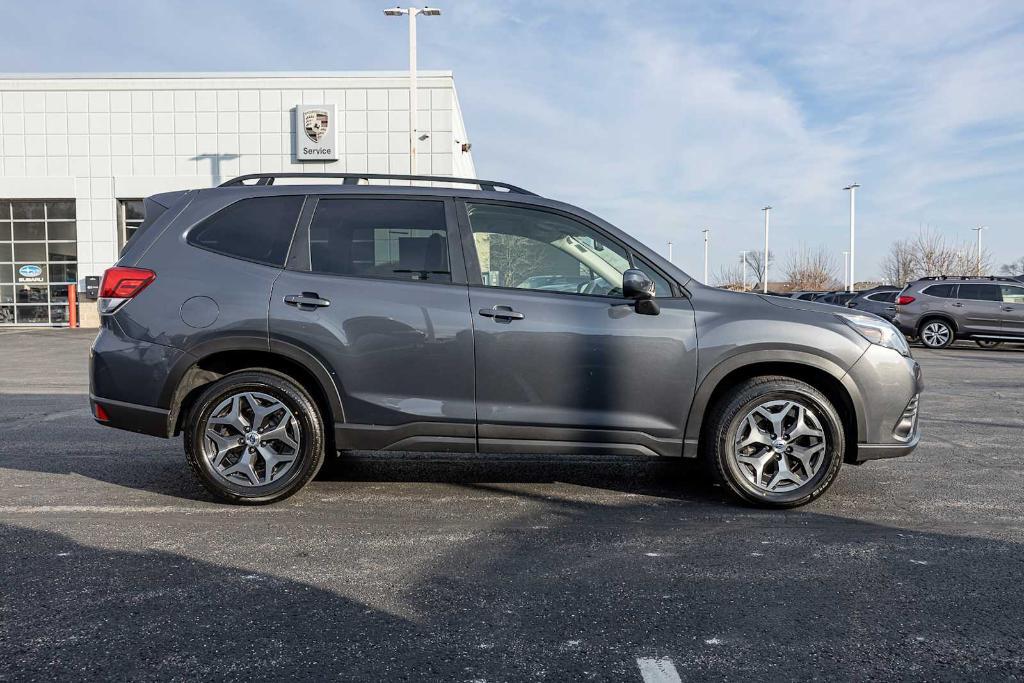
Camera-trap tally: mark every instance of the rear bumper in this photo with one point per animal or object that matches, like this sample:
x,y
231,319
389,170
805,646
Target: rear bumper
x,y
131,416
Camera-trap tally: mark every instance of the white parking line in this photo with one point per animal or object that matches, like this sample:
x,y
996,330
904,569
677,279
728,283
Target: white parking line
x,y
658,670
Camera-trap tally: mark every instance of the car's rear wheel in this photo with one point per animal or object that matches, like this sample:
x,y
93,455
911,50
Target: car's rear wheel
x,y
775,441
987,343
254,437
936,333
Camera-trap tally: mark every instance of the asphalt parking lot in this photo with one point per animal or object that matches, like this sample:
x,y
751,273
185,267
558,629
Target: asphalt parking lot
x,y
116,564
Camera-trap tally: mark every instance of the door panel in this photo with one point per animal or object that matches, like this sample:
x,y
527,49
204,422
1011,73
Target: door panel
x,y
393,328
576,369
1013,310
563,362
979,308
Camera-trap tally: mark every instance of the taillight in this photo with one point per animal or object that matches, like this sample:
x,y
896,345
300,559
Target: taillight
x,y
101,414
904,299
121,284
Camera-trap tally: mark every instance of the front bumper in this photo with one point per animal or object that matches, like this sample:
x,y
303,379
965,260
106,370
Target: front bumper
x,y
890,389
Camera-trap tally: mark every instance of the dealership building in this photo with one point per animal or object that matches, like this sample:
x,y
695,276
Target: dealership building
x,y
79,152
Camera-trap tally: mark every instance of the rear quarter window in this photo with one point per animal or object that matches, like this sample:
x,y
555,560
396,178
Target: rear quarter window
x,y
255,229
941,291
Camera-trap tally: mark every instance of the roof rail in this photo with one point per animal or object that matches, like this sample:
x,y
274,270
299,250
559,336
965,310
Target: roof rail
x,y
355,178
994,278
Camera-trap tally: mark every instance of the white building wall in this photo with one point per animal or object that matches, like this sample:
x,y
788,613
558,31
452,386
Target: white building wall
x,y
100,138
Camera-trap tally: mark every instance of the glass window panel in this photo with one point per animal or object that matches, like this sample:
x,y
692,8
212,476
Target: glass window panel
x,y
6,252
29,231
58,293
5,231
27,210
6,315
258,229
661,286
5,209
64,208
1012,294
6,272
976,292
133,209
63,251
62,230
33,314
6,294
31,294
532,249
63,272
381,238
942,291
59,314
31,252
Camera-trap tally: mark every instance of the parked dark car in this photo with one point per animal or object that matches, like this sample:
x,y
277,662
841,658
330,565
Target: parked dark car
x,y
275,324
837,298
939,310
880,300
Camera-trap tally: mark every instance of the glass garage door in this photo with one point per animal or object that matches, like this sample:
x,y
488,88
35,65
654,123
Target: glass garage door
x,y
38,260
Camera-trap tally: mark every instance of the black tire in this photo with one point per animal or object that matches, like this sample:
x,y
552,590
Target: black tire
x,y
728,416
310,454
987,343
944,333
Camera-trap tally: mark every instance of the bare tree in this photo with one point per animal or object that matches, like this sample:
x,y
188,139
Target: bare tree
x,y
808,269
731,277
755,261
1013,267
927,254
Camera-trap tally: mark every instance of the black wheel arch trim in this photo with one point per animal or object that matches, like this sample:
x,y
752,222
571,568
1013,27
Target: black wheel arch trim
x,y
187,375
702,398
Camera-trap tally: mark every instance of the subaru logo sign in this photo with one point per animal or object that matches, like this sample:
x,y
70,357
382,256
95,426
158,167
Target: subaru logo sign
x,y
30,271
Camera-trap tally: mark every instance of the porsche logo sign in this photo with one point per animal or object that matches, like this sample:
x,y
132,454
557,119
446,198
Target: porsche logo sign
x,y
315,132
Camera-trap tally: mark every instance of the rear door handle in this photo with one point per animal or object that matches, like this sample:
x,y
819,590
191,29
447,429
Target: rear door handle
x,y
307,301
958,304
1007,308
501,314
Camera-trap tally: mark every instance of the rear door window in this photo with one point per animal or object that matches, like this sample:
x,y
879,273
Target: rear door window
x,y
976,292
883,297
397,239
255,229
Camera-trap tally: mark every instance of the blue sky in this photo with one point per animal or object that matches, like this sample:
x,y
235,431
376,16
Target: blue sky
x,y
664,118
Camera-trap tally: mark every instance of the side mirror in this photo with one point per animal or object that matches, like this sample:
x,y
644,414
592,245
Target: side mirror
x,y
637,286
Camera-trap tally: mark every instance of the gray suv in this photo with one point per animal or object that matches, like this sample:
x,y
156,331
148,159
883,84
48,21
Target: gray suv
x,y
939,310
273,324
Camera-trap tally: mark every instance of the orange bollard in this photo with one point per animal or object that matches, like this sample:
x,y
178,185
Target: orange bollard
x,y
72,306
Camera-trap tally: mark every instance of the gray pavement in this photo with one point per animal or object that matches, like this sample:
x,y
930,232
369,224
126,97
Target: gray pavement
x,y
114,563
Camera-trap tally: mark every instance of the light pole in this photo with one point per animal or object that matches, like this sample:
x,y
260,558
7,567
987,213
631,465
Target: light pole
x,y
767,214
852,187
978,230
846,269
707,241
670,252
743,264
412,12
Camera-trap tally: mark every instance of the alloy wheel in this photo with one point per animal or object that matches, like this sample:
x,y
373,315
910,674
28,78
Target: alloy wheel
x,y
935,334
251,439
780,446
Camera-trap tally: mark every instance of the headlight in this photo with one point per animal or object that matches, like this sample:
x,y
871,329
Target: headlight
x,y
876,331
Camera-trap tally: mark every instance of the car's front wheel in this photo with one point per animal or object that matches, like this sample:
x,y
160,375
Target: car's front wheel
x,y
775,441
254,437
936,333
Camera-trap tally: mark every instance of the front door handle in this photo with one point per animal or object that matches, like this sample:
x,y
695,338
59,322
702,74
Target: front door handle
x,y
1007,308
958,304
501,314
307,301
